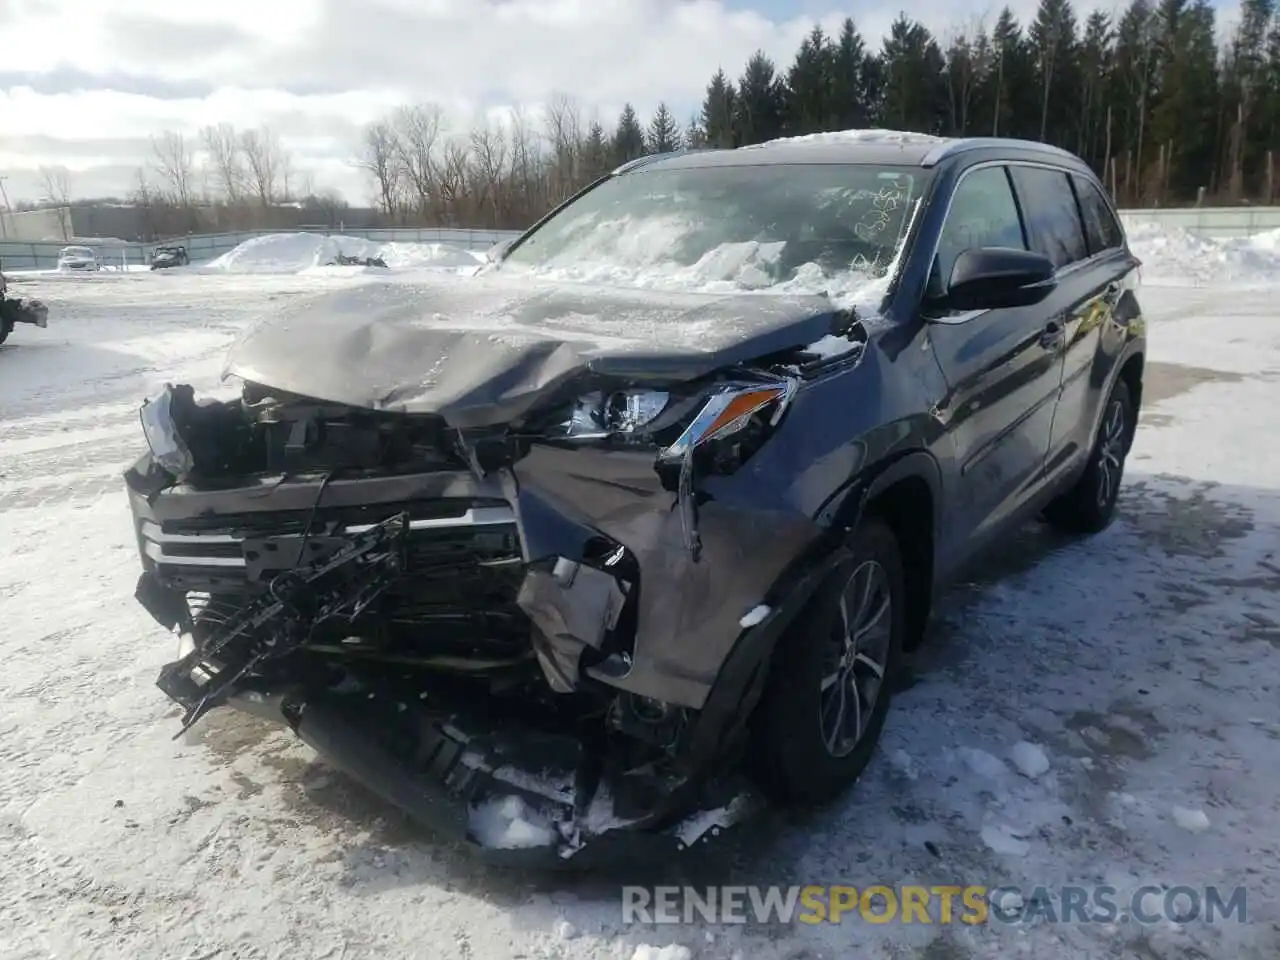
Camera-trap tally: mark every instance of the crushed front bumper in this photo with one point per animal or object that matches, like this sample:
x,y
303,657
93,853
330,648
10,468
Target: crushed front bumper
x,y
511,792
509,795
460,769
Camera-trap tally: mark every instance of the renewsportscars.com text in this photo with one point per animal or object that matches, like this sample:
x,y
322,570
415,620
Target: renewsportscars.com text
x,y
935,904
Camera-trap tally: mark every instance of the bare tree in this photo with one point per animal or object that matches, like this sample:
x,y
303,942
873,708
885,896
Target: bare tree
x,y
266,163
144,198
452,174
524,161
489,153
564,131
176,165
57,186
418,128
226,161
379,157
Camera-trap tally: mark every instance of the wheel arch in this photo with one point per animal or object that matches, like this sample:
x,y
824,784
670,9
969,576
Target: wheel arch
x,y
906,492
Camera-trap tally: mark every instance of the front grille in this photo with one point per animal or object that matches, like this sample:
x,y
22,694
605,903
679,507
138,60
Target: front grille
x,y
440,531
463,566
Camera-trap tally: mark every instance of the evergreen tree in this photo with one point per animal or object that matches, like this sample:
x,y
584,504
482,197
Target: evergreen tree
x,y
1095,66
915,94
597,152
1053,46
695,138
1007,98
628,138
849,107
718,109
664,134
1155,100
808,101
758,108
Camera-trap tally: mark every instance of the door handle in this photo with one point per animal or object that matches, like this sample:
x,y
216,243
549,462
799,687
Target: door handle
x,y
1052,335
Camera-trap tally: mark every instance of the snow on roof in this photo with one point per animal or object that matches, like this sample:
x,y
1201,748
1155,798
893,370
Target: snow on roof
x,y
872,136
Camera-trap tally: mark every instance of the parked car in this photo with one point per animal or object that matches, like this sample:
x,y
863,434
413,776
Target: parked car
x,y
172,256
15,310
553,555
78,258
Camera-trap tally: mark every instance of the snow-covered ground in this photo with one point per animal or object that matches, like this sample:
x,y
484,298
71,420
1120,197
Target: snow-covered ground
x,y
1092,711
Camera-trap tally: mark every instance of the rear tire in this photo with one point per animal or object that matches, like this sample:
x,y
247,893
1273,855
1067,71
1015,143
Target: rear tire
x,y
1090,505
847,645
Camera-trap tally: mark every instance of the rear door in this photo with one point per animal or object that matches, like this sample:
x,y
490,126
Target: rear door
x,y
1063,222
1002,378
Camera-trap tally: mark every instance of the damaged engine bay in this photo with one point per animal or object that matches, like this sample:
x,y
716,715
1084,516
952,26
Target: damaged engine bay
x,y
503,630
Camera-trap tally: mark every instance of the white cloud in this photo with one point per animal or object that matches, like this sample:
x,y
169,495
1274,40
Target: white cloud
x,y
87,84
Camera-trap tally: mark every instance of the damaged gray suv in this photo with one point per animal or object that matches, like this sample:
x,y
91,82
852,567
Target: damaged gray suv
x,y
598,545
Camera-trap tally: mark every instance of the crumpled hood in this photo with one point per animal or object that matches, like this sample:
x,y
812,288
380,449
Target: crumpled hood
x,y
483,350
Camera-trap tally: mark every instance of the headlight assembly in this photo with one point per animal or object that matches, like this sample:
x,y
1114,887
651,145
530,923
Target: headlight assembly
x,y
598,416
730,409
676,424
168,449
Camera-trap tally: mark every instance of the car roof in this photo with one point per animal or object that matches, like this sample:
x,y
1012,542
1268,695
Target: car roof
x,y
877,147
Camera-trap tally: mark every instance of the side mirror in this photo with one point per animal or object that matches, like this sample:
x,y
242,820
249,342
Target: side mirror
x,y
991,278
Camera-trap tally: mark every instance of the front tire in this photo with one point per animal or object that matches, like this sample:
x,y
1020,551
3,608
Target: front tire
x,y
1090,505
832,679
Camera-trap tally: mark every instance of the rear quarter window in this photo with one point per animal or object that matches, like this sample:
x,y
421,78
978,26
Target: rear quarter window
x,y
1050,213
1102,229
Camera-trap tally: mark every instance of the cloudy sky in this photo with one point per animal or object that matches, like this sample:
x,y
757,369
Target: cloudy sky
x,y
86,84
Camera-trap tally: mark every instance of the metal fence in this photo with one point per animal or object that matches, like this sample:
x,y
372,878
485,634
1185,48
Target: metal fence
x,y
1219,223
1216,222
43,255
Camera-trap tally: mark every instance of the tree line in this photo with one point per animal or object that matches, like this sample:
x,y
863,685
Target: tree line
x,y
1166,107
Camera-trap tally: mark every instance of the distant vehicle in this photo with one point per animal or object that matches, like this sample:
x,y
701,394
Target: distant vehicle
x,y
346,261
163,257
15,310
78,258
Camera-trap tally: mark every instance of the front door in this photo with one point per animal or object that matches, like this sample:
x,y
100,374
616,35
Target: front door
x,y
1001,368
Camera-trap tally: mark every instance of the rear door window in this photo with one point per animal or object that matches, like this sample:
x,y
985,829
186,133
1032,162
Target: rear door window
x,y
1053,220
1100,225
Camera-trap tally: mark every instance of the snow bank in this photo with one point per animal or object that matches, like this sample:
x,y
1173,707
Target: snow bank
x,y
301,252
1172,255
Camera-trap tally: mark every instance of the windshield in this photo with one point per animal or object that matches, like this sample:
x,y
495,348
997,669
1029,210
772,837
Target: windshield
x,y
77,252
775,228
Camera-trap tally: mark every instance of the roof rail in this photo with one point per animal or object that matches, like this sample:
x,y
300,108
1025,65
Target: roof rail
x,y
962,145
649,158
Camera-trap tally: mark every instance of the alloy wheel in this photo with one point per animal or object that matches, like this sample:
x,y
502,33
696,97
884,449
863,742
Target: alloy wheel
x,y
855,658
1111,452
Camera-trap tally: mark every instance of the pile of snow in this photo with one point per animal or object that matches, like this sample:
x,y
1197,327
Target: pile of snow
x,y
1175,255
277,253
509,823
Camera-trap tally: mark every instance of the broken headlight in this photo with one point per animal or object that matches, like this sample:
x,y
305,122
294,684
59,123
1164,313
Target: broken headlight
x,y
168,449
729,409
621,413
677,424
